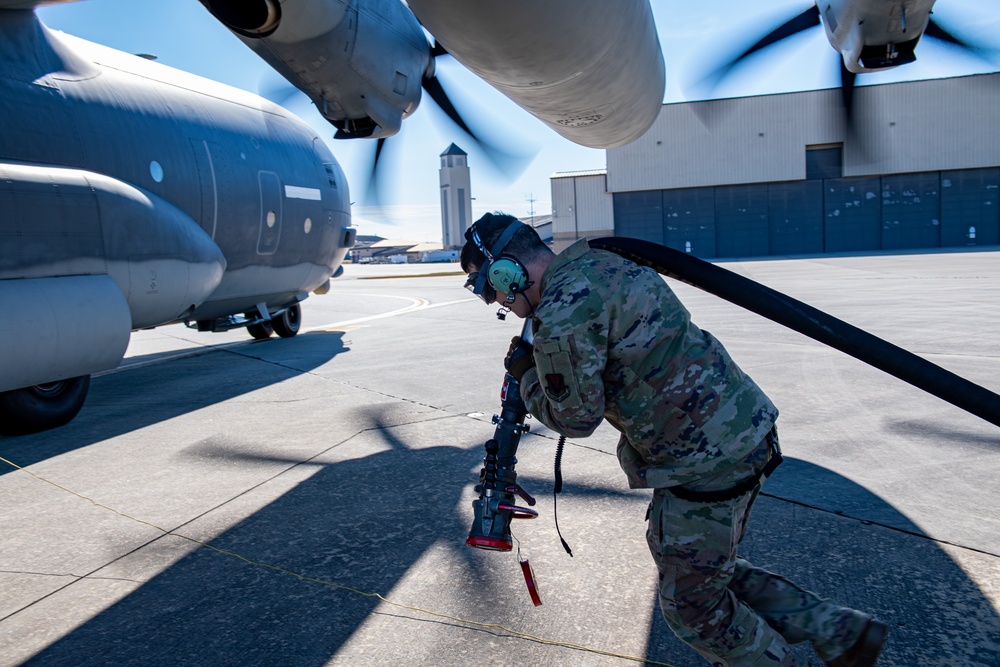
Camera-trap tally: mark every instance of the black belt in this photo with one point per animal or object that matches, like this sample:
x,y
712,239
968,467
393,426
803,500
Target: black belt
x,y
746,486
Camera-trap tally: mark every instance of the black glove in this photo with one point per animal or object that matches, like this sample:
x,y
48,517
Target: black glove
x,y
519,358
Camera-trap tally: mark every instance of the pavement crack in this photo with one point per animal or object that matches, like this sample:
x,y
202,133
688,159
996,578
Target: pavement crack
x,y
75,577
869,522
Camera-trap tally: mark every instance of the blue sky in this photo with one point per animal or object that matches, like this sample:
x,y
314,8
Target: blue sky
x,y
693,34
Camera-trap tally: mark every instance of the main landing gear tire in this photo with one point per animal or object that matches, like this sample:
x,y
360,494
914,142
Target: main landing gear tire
x,y
43,406
261,330
288,323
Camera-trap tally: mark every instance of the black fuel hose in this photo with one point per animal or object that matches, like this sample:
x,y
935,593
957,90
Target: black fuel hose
x,y
809,321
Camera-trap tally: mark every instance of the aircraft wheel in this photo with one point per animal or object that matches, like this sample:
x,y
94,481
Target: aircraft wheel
x,y
288,323
261,330
43,406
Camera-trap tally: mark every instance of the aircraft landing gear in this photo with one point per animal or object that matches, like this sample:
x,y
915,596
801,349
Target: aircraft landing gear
x,y
43,406
288,323
261,330
260,323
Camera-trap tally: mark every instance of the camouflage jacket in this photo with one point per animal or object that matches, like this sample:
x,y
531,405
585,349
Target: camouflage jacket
x,y
613,342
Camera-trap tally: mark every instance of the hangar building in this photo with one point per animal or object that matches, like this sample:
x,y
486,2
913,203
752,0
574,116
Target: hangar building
x,y
782,174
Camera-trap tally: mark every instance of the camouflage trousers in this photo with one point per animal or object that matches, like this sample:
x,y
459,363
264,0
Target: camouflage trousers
x,y
733,613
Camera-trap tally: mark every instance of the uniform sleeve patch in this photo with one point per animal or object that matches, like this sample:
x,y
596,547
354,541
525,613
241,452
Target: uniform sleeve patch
x,y
557,372
555,387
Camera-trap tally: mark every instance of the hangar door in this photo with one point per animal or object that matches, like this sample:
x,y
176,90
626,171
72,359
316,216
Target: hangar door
x,y
970,207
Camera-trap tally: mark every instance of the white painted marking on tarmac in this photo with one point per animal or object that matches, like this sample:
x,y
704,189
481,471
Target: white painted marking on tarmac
x,y
448,303
423,304
415,305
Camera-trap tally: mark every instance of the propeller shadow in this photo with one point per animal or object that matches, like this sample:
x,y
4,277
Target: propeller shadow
x,y
386,512
360,525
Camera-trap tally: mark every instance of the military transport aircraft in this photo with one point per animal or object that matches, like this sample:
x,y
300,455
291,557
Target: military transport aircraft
x,y
134,195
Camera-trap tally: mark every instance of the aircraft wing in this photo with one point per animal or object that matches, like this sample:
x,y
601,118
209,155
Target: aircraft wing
x,y
591,70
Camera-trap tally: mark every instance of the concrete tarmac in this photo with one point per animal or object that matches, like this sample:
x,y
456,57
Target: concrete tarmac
x,y
305,501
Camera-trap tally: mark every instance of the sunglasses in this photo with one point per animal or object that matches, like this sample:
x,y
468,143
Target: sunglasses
x,y
481,287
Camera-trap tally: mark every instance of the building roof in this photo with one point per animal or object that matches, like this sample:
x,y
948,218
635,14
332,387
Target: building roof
x,y
538,220
573,174
426,247
453,150
394,243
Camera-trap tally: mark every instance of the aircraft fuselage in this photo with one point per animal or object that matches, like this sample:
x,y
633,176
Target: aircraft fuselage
x,y
133,195
256,182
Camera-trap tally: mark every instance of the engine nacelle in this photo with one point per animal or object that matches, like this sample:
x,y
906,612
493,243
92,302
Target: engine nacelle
x,y
592,70
250,18
58,328
361,63
872,36
30,4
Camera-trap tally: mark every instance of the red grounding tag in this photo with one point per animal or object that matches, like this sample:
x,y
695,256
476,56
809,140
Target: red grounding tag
x,y
529,579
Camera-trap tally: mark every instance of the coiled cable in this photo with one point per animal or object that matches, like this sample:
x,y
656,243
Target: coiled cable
x,y
556,489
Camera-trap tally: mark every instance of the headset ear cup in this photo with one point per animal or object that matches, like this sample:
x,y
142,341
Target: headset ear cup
x,y
507,275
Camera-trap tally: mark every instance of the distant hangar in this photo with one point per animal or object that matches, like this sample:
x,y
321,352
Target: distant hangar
x,y
781,175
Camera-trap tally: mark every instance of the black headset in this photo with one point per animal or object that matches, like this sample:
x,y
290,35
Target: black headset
x,y
499,272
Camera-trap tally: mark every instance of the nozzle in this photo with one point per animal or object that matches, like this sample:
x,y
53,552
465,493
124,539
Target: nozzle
x,y
489,543
490,527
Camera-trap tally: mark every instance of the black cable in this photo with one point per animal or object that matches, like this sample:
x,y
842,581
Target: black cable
x,y
557,489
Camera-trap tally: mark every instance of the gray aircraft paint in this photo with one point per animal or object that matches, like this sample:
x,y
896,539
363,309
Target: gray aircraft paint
x,y
113,165
202,202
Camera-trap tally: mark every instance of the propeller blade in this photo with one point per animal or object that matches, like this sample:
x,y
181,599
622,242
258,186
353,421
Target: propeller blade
x,y
936,31
804,21
800,23
849,106
436,91
371,192
280,92
847,80
508,163
438,50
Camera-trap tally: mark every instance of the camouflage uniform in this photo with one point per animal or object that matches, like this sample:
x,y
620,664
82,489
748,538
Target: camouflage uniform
x,y
613,342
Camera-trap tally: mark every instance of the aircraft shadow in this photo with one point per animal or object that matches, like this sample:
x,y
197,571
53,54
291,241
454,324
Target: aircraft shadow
x,y
395,520
363,523
127,401
864,554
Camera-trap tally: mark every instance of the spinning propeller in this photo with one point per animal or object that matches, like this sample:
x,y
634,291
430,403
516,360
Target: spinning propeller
x,y
507,163
872,57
